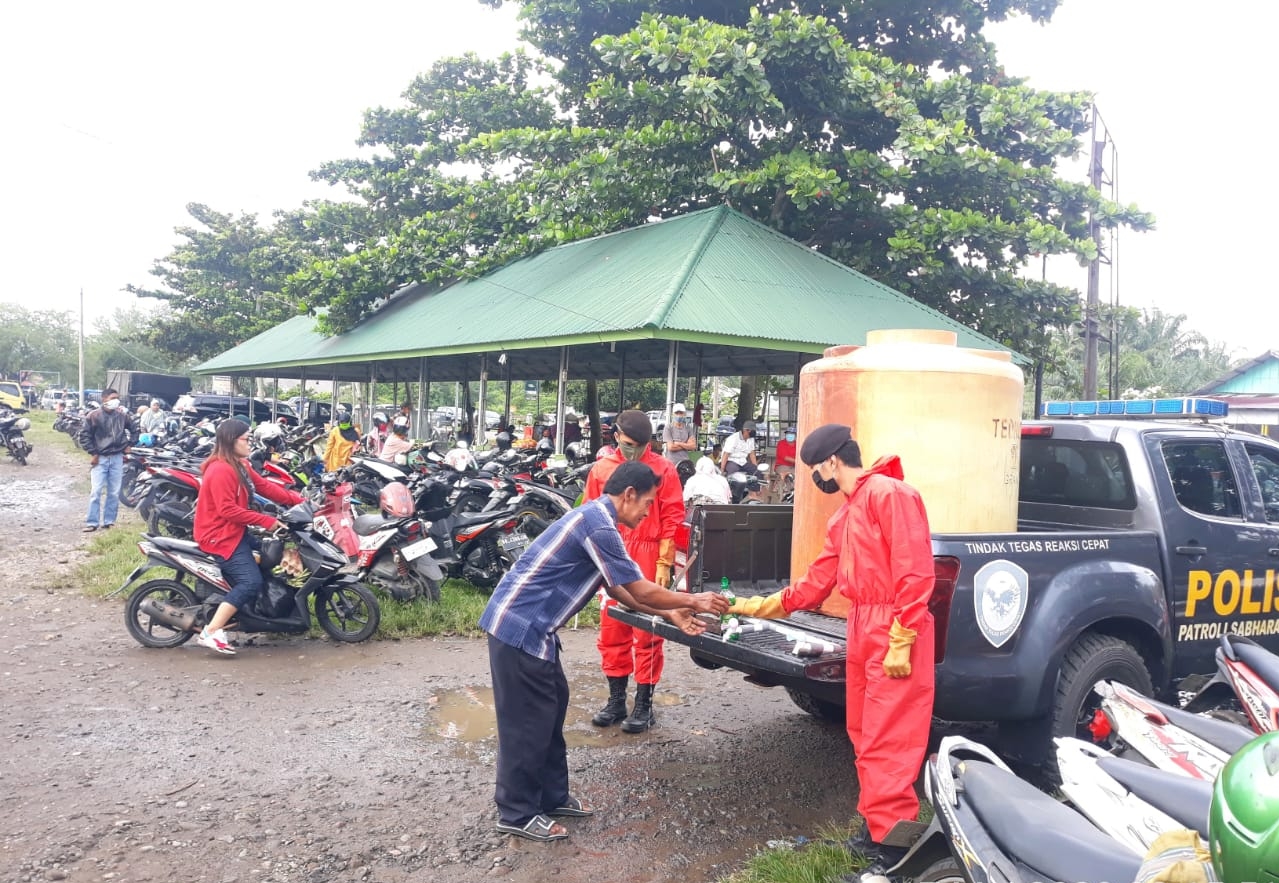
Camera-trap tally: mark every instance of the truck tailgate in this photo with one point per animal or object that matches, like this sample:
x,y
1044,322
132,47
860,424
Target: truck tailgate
x,y
765,656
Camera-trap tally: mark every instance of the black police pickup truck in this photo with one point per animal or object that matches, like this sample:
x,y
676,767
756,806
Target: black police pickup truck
x,y
1139,543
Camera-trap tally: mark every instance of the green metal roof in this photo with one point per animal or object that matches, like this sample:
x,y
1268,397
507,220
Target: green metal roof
x,y
715,279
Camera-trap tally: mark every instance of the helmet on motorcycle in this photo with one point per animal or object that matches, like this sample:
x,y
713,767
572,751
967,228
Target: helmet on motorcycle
x,y
400,425
267,431
503,441
395,501
271,553
379,418
463,444
146,440
1243,819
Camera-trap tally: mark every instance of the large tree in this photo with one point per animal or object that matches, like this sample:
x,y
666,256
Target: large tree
x,y
883,134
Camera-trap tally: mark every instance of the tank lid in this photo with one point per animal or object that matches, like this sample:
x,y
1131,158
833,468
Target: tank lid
x,y
911,335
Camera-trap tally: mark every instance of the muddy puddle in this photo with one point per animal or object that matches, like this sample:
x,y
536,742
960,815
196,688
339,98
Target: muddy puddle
x,y
465,718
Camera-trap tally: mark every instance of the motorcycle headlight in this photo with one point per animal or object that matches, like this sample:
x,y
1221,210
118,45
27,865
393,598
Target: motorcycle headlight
x,y
22,425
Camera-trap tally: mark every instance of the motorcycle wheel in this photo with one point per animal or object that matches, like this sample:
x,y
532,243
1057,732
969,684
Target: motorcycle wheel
x,y
539,523
128,486
347,613
945,871
145,630
20,454
165,527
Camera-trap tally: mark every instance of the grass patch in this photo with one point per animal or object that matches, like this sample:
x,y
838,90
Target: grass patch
x,y
457,613
818,861
111,557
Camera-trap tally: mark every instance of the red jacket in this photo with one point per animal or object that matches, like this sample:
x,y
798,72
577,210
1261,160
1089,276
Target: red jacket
x,y
222,508
878,550
664,516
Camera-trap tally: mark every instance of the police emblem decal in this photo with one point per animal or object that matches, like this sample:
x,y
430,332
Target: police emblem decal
x,y
1001,590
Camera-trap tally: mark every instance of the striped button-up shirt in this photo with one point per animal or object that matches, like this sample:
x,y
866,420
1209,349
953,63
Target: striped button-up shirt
x,y
556,576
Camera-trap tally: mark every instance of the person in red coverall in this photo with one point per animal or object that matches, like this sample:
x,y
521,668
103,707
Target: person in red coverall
x,y
878,553
222,515
652,546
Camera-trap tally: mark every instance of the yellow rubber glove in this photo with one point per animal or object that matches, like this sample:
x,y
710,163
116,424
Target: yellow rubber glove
x,y
897,659
760,606
665,558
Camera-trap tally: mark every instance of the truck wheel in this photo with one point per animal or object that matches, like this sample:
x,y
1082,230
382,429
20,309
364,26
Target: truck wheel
x,y
820,708
1090,659
702,662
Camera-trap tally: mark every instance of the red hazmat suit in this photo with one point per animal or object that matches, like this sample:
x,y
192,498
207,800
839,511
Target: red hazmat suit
x,y
623,649
878,553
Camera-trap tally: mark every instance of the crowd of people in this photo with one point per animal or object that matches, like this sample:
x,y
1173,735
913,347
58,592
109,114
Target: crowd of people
x,y
620,544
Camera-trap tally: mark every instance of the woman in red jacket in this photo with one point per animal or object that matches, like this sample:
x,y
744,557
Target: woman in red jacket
x,y
222,515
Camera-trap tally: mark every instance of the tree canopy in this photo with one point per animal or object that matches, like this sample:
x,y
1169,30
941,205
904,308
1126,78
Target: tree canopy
x,y
882,133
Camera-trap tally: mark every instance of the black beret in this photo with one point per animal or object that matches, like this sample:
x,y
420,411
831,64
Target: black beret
x,y
636,426
822,443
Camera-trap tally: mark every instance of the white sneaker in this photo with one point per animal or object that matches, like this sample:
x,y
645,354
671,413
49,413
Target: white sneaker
x,y
215,641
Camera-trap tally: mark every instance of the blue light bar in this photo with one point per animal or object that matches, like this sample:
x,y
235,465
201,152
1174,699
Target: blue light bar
x,y
1156,408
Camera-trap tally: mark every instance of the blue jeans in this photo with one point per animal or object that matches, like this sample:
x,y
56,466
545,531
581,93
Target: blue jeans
x,y
243,573
106,476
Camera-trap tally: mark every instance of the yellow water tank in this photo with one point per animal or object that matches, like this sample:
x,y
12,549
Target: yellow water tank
x,y
952,415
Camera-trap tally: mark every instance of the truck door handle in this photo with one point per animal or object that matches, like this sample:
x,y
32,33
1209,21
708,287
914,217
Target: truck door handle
x,y
1274,553
1192,551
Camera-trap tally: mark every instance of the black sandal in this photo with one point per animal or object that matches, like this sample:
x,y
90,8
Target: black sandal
x,y
572,807
538,828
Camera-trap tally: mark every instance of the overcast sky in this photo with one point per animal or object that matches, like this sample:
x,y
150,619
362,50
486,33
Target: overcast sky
x,y
118,115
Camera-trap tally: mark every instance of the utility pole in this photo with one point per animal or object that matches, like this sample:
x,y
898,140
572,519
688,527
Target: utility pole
x,y
80,393
1091,306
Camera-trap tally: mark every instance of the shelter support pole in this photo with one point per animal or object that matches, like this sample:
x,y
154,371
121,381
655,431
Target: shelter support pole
x,y
333,406
275,399
506,413
481,420
302,400
559,401
696,404
621,384
672,375
368,425
423,396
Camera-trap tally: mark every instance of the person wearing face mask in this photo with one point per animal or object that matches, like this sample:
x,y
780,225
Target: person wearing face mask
x,y
679,436
878,554
106,434
651,543
344,439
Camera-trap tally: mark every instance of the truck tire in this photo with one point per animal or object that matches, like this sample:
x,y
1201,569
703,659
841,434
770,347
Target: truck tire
x,y
819,708
1092,658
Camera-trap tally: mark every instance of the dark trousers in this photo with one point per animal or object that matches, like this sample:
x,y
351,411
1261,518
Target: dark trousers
x,y
530,696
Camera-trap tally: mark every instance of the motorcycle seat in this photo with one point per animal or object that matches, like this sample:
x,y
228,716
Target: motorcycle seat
x,y
189,547
1226,736
1179,797
371,523
1059,842
474,518
1257,658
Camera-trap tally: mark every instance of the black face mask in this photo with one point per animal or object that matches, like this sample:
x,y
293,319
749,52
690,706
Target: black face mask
x,y
825,485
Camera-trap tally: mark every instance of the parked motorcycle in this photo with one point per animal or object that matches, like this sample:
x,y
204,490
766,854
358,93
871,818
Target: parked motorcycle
x,y
167,612
989,825
481,547
1132,802
395,546
12,427
169,504
1247,678
1140,728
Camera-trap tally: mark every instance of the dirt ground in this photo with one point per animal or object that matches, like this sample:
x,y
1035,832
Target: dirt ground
x,y
302,760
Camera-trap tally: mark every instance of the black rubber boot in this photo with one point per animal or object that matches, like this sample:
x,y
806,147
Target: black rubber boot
x,y
615,711
642,716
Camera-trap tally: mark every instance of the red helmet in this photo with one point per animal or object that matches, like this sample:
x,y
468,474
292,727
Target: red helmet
x,y
395,500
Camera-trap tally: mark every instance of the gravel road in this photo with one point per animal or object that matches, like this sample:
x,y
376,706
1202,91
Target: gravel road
x,y
303,760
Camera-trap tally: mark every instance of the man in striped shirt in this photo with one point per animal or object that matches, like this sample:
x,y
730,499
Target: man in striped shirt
x,y
553,580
